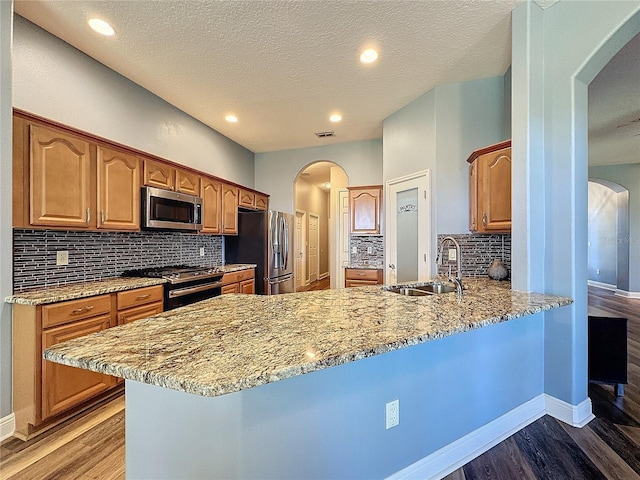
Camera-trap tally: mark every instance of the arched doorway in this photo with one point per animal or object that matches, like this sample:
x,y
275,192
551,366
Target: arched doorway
x,y
321,234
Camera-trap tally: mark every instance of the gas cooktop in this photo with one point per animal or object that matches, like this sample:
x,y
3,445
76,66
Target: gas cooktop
x,y
177,273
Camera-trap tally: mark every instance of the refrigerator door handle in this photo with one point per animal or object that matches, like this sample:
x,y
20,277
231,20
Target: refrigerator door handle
x,y
281,242
286,244
285,278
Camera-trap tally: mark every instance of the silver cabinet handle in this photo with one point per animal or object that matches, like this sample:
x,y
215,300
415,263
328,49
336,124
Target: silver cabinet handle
x,y
88,215
102,217
484,219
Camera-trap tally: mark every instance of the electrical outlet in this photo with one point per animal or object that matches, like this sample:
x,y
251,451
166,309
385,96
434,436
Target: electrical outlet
x,y
393,414
597,271
354,249
202,251
62,257
369,249
452,254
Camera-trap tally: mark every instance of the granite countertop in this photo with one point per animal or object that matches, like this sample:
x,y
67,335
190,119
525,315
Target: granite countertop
x,y
43,296
235,342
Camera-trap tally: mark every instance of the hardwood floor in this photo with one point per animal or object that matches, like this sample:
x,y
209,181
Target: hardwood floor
x,y
323,284
608,447
92,447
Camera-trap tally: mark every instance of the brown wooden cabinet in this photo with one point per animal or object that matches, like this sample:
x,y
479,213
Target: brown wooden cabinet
x,y
229,209
187,182
246,198
356,277
262,202
365,209
241,281
160,175
211,193
45,393
118,190
59,180
490,189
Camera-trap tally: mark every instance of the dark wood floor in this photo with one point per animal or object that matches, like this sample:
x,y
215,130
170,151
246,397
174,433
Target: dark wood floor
x,y
608,447
323,284
92,447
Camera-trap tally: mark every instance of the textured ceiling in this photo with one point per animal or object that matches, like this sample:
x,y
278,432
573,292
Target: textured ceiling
x,y
284,66
614,109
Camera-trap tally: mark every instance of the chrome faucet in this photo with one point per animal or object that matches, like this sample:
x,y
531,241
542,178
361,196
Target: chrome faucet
x,y
458,279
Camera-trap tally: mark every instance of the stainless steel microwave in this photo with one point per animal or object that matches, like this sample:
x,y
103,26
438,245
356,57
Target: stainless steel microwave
x,y
169,210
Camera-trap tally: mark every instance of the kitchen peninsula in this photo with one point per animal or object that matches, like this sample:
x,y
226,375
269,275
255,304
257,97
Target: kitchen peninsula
x,y
193,411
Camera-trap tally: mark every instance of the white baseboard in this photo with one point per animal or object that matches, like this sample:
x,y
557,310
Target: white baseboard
x,y
7,426
624,293
322,276
574,415
605,286
465,449
453,456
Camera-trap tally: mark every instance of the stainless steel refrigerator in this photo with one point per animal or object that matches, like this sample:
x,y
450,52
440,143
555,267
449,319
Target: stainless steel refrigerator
x,y
266,239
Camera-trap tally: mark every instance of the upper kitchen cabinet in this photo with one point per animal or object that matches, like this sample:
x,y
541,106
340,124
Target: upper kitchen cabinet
x,y
490,189
163,175
253,200
211,193
230,199
59,178
118,186
365,209
159,175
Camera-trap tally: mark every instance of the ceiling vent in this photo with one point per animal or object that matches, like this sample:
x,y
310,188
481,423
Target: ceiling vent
x,y
325,134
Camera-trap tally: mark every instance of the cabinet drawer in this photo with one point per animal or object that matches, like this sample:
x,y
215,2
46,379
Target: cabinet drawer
x,y
235,277
139,296
361,274
73,310
138,313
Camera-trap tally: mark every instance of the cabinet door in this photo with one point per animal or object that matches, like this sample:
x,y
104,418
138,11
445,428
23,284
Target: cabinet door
x,y
247,286
262,202
211,193
231,288
365,205
137,313
59,179
229,210
247,199
64,387
494,184
118,190
159,175
473,197
187,182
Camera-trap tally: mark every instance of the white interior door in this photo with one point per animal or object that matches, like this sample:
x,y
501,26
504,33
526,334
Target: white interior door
x,y
408,218
313,247
299,264
343,236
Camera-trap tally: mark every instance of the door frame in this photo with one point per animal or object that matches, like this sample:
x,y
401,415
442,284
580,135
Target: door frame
x,y
342,234
426,261
304,278
317,263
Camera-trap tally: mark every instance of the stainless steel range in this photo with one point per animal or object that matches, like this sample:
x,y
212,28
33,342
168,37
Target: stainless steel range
x,y
185,284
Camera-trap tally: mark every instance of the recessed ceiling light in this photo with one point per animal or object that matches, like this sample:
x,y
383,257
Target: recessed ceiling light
x,y
336,117
231,119
102,27
369,56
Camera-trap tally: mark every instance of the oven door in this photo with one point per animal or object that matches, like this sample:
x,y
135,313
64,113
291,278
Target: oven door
x,y
178,296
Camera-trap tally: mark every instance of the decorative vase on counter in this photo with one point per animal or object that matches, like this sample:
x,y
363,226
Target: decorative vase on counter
x,y
497,270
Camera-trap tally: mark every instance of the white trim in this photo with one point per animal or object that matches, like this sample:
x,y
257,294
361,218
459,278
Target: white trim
x,y
323,276
7,426
460,452
605,286
624,293
465,449
574,415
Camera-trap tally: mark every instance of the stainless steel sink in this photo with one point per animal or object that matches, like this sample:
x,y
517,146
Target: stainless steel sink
x,y
422,290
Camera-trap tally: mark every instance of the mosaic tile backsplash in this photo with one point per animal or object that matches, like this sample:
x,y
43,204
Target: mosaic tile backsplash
x,y
98,255
361,257
478,251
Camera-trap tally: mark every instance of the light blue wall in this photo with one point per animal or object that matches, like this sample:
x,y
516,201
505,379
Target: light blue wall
x,y
627,176
603,235
275,172
56,81
569,43
6,239
330,423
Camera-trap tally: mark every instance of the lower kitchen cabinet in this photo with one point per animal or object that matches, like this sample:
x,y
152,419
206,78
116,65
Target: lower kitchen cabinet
x,y
242,281
45,393
356,277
